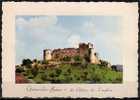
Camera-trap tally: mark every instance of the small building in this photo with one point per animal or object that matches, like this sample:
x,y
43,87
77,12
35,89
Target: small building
x,y
117,67
20,78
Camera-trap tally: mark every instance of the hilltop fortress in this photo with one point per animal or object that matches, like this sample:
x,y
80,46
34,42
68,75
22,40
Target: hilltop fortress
x,y
84,51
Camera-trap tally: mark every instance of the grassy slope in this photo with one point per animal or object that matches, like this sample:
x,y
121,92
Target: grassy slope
x,y
67,73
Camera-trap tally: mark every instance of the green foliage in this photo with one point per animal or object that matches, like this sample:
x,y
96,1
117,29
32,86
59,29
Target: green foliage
x,y
84,63
26,62
67,73
104,63
45,62
28,73
67,58
77,58
34,71
19,69
105,75
40,78
58,71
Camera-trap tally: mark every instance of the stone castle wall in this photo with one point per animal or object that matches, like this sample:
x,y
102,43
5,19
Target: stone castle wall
x,y
93,58
82,51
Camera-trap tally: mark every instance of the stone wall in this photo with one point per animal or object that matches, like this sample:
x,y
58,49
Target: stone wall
x,y
84,51
59,54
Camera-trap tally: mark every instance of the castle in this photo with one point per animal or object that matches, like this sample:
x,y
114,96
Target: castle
x,y
84,50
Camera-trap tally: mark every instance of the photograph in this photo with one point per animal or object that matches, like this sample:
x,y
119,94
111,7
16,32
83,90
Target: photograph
x,y
68,49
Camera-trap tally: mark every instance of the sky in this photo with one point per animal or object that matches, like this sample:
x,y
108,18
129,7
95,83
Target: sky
x,y
36,33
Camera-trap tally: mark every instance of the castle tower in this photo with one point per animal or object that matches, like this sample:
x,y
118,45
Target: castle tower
x,y
83,49
47,54
90,45
93,57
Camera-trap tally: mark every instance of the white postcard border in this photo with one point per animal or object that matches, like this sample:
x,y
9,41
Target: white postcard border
x,y
129,12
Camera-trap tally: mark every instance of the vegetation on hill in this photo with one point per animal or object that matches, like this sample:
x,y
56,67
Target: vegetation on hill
x,y
39,72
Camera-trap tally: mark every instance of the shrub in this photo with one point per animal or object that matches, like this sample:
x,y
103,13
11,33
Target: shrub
x,y
34,71
45,62
35,60
39,78
19,69
26,62
30,76
67,58
77,58
84,63
68,73
58,71
104,63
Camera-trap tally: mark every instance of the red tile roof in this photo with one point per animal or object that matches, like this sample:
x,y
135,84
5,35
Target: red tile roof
x,y
20,78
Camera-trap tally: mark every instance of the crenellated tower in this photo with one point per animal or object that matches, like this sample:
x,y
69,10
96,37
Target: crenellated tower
x,y
47,54
93,55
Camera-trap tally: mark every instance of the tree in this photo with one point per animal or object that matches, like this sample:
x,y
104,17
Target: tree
x,y
26,62
19,69
104,63
77,58
35,60
58,71
69,70
67,58
34,71
45,62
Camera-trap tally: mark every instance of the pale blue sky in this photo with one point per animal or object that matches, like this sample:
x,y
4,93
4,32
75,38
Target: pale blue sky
x,y
36,33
